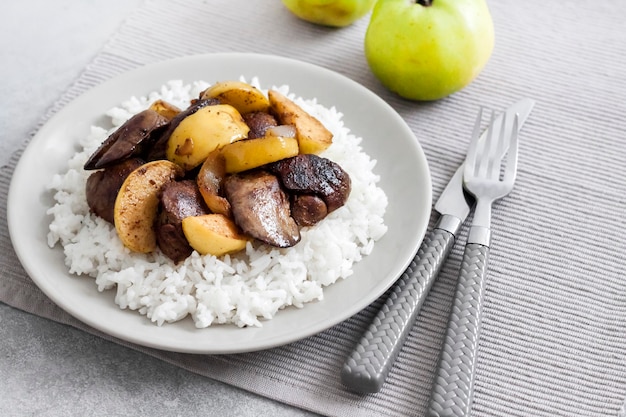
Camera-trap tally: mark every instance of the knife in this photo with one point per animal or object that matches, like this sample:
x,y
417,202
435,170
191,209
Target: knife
x,y
366,368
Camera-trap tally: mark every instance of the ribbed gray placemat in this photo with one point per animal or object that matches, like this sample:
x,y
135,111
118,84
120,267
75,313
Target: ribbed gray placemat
x,y
554,326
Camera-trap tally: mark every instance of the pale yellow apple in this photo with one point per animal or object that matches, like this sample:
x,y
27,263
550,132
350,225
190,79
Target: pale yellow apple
x,y
337,13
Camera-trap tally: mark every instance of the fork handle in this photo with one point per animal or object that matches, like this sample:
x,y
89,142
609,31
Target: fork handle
x,y
367,367
452,390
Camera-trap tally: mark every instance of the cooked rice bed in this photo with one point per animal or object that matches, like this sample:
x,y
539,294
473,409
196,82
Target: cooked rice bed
x,y
243,289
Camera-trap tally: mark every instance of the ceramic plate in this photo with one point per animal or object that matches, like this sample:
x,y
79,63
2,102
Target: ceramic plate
x,y
403,168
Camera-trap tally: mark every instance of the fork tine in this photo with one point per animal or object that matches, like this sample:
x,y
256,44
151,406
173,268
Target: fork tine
x,y
496,150
504,144
511,163
485,161
473,146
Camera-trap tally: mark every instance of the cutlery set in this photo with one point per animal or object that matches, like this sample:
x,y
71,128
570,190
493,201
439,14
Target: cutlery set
x,y
487,174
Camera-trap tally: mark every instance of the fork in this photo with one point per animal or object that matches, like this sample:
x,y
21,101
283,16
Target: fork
x,y
490,170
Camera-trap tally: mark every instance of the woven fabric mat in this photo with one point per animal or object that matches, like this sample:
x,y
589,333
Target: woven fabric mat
x,y
553,340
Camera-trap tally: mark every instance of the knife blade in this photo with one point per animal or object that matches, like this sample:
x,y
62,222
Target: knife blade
x,y
366,368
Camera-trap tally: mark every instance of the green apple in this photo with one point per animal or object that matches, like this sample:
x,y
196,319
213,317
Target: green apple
x,y
428,49
337,13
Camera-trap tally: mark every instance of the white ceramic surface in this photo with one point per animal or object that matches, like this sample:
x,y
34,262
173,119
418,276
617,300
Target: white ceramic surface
x,y
401,164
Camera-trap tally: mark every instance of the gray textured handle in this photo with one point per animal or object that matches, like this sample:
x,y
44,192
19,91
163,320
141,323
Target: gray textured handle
x,y
453,386
366,369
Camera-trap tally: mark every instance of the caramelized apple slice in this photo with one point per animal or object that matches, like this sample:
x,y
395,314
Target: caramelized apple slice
x,y
313,137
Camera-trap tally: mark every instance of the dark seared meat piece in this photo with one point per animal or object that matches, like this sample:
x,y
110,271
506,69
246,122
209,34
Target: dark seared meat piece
x,y
131,139
261,208
157,151
179,199
312,174
259,122
308,209
102,187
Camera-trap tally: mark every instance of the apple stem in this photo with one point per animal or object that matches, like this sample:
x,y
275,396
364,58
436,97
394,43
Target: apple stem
x,y
424,3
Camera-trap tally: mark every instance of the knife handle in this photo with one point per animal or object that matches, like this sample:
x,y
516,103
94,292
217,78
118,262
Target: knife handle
x,y
366,369
453,388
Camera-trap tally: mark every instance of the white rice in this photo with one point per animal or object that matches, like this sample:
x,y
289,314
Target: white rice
x,y
241,289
